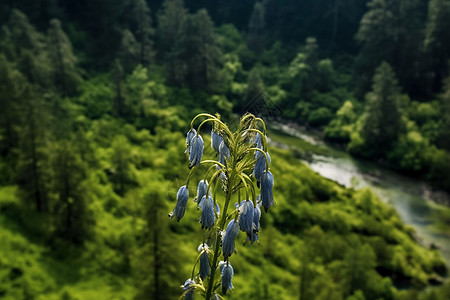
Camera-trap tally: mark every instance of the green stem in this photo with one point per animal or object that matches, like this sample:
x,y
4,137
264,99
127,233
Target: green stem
x,y
222,221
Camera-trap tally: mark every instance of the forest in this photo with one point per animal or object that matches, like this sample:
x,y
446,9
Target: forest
x,y
96,98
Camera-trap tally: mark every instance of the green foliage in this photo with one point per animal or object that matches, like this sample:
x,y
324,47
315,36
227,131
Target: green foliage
x,y
320,116
89,161
382,123
64,73
170,20
341,127
70,191
436,40
195,56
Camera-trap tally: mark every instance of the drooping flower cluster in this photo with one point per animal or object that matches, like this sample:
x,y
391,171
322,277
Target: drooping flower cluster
x,y
241,168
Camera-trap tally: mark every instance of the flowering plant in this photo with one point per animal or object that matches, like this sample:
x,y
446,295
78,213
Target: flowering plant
x,y
243,162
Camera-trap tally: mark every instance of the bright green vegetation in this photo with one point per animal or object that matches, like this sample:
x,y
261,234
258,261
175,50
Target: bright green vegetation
x,y
95,98
318,234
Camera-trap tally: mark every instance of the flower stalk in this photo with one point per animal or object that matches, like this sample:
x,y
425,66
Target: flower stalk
x,y
243,161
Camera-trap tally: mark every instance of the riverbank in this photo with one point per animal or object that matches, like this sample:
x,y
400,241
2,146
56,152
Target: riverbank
x,y
417,203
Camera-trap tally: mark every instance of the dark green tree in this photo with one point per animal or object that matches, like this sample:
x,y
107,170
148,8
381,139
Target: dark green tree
x,y
65,74
391,31
256,27
141,26
25,46
437,41
33,170
129,51
444,139
195,58
117,78
70,192
382,124
311,51
159,250
12,84
356,267
121,165
170,19
255,86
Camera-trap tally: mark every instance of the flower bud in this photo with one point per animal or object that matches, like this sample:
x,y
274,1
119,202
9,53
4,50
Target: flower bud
x,y
207,218
266,190
196,151
231,233
201,191
216,139
224,153
204,265
187,287
246,210
190,134
258,142
227,275
260,165
180,207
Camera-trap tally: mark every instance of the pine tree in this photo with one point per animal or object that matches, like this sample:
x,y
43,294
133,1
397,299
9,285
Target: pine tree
x,y
121,161
158,249
65,74
25,46
382,124
12,84
141,26
32,171
68,186
196,56
437,41
117,78
311,51
129,51
444,139
391,31
255,86
256,27
170,20
357,264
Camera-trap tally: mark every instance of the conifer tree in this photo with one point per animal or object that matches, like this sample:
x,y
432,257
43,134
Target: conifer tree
x,y
437,40
382,124
196,56
117,78
170,20
158,250
311,54
32,171
129,51
12,84
391,31
256,27
70,210
65,74
255,85
141,26
25,46
121,160
444,140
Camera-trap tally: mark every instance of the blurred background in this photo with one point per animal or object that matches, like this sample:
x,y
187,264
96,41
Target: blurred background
x,y
95,100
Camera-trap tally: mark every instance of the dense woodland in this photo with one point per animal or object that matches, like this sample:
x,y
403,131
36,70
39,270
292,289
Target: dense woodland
x,y
95,99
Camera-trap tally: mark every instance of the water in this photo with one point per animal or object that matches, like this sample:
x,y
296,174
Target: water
x,y
414,200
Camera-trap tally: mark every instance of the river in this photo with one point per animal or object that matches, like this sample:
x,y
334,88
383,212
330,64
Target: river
x,y
415,201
